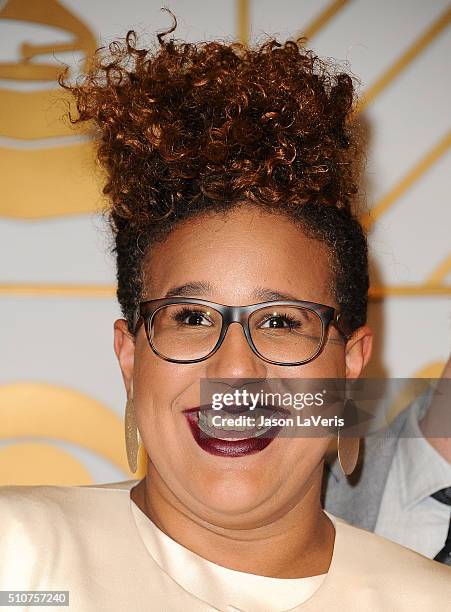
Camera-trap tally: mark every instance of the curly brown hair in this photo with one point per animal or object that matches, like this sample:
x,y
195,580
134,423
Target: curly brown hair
x,y
188,129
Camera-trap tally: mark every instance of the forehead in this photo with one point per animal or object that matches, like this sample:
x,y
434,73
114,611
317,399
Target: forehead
x,y
238,251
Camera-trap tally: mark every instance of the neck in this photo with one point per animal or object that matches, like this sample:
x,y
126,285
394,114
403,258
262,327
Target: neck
x,y
437,421
438,417
295,545
441,445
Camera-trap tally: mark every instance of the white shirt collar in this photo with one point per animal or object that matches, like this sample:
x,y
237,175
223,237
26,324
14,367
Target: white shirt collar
x,y
421,469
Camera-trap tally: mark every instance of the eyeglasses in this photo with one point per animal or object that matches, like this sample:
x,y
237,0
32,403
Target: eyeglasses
x,y
189,330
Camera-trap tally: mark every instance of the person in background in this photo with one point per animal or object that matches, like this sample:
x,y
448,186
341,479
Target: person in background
x,y
403,490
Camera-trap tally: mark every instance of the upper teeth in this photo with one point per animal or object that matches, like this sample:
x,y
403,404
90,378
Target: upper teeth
x,y
206,423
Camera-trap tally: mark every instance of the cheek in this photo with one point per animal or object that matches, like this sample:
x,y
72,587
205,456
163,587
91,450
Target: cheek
x,y
161,390
306,456
330,364
157,384
306,452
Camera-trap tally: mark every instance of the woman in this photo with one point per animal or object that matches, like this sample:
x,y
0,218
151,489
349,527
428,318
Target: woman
x,y
231,175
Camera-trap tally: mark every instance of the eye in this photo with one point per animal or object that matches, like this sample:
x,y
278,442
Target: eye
x,y
191,317
279,321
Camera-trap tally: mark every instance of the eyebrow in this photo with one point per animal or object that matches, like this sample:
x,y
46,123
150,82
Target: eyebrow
x,y
199,288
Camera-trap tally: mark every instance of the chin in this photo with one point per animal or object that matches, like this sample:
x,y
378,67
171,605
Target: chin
x,y
232,496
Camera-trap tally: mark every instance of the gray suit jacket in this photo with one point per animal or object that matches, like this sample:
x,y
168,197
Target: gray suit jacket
x,y
357,498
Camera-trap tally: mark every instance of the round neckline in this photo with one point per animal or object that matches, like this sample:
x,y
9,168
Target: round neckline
x,y
201,577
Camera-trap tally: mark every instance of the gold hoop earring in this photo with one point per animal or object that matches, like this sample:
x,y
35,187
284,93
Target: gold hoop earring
x,y
132,437
348,448
348,453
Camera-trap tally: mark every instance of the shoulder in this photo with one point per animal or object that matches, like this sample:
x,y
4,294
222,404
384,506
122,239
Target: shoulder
x,y
60,535
31,510
35,498
400,571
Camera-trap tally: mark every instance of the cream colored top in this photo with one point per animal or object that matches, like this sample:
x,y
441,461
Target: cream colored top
x,y
227,589
96,543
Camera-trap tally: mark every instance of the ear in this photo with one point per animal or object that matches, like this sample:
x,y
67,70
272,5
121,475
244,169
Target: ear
x,y
358,351
124,347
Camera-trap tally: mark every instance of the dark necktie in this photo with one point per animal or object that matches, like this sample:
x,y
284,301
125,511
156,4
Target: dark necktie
x,y
444,556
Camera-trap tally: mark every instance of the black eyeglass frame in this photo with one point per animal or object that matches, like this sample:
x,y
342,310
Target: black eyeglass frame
x,y
239,314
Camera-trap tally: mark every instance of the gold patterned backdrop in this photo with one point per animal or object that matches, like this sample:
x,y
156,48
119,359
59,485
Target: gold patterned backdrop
x,y
53,426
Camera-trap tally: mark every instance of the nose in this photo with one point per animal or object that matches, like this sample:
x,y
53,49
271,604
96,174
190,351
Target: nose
x,y
235,358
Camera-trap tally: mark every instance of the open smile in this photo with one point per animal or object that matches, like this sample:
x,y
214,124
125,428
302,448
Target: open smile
x,y
231,433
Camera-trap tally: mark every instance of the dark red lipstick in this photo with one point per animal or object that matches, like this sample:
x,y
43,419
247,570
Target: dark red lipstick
x,y
228,447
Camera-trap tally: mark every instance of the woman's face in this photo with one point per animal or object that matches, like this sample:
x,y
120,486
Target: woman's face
x,y
236,255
